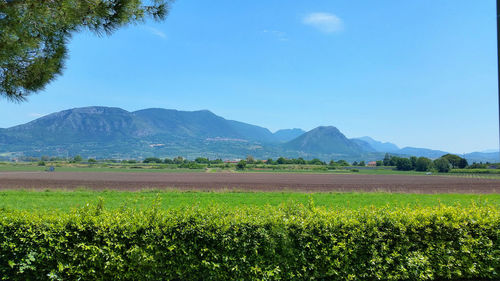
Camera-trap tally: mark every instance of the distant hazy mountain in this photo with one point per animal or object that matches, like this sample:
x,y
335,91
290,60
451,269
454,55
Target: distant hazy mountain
x,y
494,150
107,132
492,157
325,140
364,145
102,124
415,151
198,124
74,125
394,149
114,132
380,146
287,134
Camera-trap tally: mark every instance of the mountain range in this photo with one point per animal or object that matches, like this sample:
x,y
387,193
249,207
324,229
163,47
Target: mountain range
x,y
107,132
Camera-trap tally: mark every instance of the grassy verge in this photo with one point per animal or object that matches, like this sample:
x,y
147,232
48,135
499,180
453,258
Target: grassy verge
x,y
66,200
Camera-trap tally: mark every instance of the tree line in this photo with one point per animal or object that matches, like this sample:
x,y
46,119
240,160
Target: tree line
x,y
442,164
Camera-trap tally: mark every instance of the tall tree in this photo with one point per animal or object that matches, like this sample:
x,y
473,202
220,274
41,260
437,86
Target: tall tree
x,y
442,165
34,35
423,164
455,160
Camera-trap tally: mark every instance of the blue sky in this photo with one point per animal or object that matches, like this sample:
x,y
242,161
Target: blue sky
x,y
416,73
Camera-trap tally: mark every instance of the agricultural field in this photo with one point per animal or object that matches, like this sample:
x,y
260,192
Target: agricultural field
x,y
304,182
63,166
165,223
50,200
265,222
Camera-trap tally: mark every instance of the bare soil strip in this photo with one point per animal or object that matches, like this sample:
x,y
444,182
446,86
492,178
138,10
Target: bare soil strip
x,y
248,182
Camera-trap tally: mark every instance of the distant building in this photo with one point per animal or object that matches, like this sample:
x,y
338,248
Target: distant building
x,y
371,164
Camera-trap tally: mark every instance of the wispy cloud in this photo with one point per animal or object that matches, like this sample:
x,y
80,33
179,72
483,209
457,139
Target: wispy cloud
x,y
280,35
325,22
156,31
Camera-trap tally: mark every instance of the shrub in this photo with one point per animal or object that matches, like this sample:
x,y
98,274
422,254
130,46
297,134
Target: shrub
x,y
241,165
152,160
191,165
289,242
404,164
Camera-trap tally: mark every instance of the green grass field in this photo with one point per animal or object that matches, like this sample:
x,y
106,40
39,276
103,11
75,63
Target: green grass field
x,y
66,200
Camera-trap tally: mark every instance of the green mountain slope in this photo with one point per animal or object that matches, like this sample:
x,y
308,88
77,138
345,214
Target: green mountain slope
x,y
107,132
325,140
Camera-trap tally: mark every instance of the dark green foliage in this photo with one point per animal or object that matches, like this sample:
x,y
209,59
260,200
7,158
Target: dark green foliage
x,y
413,160
217,161
477,166
315,161
152,160
442,165
281,161
289,242
462,163
404,164
296,161
423,164
342,163
202,160
35,34
241,165
77,158
380,163
179,160
387,160
192,165
300,161
362,163
455,161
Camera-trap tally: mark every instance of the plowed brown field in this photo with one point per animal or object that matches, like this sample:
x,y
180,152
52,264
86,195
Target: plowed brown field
x,y
248,181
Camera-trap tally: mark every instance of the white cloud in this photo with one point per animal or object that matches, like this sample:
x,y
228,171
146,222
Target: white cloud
x,y
325,22
280,35
156,32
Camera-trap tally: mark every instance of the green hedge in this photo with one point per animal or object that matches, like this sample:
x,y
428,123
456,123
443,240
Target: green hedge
x,y
290,242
